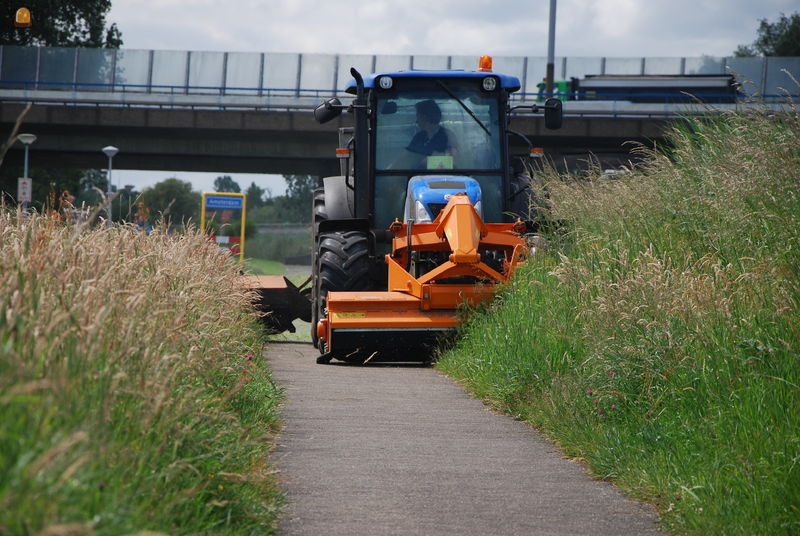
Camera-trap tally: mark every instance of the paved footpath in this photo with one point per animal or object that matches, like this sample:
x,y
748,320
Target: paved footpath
x,y
379,450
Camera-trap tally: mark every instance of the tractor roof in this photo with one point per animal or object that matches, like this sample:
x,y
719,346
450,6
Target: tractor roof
x,y
511,83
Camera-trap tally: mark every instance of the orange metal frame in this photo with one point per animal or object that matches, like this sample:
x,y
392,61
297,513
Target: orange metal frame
x,y
427,301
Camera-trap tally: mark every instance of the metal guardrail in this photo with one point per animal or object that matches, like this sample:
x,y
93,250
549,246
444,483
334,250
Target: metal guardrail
x,y
251,72
172,101
261,81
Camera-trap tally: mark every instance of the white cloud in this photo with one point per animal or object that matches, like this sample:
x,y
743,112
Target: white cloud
x,y
457,27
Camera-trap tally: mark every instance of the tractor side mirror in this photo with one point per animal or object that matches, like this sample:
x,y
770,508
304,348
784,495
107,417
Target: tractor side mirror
x,y
328,110
553,114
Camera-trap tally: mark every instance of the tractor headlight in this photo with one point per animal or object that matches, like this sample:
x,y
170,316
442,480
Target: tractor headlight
x,y
385,82
421,213
489,83
478,209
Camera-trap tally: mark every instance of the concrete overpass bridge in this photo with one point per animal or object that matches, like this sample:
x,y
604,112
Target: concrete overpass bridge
x,y
250,112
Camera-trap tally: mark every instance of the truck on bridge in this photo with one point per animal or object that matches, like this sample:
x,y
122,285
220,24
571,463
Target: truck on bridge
x,y
712,89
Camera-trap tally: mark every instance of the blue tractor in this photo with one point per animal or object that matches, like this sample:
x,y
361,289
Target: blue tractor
x,y
417,138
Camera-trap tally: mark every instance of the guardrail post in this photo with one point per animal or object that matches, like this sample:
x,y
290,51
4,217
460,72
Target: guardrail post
x,y
524,76
261,76
38,67
75,69
335,73
150,72
114,70
188,68
224,74
299,72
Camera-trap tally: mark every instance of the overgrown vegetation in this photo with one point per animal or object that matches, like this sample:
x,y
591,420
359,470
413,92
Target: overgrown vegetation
x,y
133,396
658,339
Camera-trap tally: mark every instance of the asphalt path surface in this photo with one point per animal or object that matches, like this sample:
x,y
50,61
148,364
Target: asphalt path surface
x,y
378,449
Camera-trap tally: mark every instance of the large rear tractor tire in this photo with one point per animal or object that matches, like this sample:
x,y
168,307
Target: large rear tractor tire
x,y
342,264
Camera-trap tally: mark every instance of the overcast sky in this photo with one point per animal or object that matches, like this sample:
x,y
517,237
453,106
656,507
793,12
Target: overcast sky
x,y
442,27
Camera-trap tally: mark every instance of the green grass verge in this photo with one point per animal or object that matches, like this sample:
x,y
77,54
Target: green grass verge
x,y
659,339
133,395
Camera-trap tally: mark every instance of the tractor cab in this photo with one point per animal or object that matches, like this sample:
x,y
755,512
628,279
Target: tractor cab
x,y
431,123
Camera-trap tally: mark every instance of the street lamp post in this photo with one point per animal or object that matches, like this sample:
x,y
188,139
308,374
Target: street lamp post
x,y
27,140
109,151
551,47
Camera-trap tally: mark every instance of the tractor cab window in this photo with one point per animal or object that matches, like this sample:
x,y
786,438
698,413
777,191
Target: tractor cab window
x,y
425,125
428,126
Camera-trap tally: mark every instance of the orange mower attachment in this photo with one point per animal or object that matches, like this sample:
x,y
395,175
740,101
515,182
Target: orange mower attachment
x,y
433,269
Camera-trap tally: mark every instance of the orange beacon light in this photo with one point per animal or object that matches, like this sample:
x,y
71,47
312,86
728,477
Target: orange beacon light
x,y
22,19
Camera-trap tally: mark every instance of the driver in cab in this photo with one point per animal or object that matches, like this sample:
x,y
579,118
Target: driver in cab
x,y
432,140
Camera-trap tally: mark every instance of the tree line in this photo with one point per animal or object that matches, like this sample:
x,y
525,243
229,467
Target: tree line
x,y
171,198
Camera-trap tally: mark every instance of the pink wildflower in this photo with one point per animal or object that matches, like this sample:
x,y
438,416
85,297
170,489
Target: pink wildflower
x,y
611,373
596,401
589,392
249,357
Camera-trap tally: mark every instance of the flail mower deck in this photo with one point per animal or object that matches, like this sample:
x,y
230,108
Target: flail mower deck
x,y
420,306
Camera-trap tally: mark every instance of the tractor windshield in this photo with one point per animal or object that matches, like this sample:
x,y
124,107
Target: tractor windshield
x,y
430,124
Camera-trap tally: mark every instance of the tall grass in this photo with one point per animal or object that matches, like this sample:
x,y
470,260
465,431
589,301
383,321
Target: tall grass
x,y
659,339
132,392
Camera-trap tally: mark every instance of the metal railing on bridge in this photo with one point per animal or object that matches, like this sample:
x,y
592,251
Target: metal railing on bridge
x,y
169,78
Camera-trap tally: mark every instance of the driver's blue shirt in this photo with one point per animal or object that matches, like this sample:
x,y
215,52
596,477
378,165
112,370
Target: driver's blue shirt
x,y
422,144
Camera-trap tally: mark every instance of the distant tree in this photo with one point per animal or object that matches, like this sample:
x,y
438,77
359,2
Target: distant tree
x,y
226,184
94,178
300,187
300,192
255,196
69,23
781,38
173,198
294,207
91,181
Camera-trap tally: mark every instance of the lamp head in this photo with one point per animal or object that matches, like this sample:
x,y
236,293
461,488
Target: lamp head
x,y
27,139
110,151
